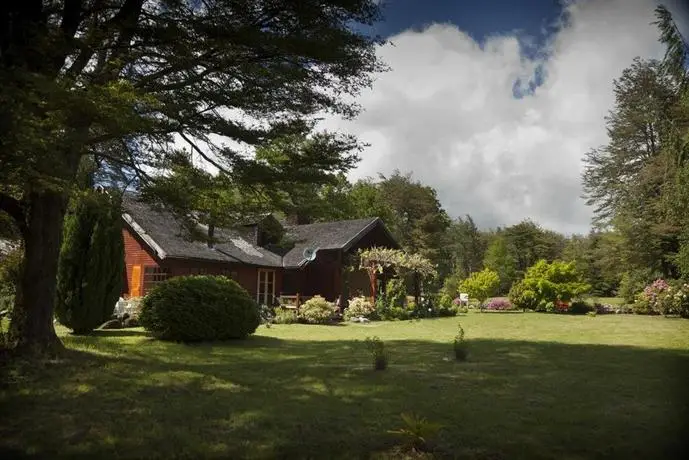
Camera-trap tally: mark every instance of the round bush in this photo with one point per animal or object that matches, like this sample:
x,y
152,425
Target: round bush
x,y
522,297
317,310
194,308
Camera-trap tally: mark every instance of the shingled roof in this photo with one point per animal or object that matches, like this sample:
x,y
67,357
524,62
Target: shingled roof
x,y
165,236
326,235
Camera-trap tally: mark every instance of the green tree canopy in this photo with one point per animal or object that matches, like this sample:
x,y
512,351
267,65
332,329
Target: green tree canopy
x,y
550,282
481,285
638,181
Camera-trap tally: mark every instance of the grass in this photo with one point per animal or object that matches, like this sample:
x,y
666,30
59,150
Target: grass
x,y
535,386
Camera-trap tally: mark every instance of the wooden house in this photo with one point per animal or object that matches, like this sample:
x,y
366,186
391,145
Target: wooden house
x,y
316,261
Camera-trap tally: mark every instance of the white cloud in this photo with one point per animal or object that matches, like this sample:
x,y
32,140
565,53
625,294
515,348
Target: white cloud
x,y
447,112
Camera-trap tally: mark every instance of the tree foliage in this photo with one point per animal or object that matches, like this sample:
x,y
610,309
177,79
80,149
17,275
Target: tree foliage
x,y
377,259
638,181
500,258
466,246
481,285
546,283
410,210
91,264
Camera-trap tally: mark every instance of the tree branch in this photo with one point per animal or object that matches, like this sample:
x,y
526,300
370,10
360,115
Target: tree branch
x,y
200,152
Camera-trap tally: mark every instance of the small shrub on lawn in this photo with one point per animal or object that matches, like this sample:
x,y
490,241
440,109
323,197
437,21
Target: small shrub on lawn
x,y
460,345
317,310
285,316
417,432
379,354
359,307
195,308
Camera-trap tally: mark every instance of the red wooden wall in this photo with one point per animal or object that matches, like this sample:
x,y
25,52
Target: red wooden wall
x,y
135,253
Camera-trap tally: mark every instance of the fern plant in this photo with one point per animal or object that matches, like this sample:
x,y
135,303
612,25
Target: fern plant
x,y
416,432
378,352
460,345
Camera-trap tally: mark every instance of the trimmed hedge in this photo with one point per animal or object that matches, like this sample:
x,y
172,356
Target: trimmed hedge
x,y
196,308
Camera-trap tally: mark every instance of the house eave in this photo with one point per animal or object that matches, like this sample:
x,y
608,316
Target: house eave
x,y
144,236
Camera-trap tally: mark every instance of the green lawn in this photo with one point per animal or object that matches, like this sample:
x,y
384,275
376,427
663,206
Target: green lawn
x,y
535,386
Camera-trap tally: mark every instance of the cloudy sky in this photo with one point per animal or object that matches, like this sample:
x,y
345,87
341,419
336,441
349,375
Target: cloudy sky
x,y
495,102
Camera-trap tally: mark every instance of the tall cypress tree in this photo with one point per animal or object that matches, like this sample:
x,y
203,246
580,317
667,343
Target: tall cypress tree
x,y
91,263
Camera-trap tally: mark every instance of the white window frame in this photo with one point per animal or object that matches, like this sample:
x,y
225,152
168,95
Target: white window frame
x,y
261,291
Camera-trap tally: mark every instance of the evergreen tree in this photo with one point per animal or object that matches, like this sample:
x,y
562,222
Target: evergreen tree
x,y
91,263
500,258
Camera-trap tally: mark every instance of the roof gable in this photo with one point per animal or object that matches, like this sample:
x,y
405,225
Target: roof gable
x,y
329,235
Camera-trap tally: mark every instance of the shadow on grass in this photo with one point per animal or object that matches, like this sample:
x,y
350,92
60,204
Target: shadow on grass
x,y
119,333
272,398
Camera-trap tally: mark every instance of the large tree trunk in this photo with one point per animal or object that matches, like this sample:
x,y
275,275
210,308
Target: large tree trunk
x,y
32,320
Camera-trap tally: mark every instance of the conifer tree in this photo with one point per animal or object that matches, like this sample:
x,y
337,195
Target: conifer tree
x,y
91,263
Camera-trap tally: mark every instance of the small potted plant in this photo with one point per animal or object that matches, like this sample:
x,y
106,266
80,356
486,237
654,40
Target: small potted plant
x,y
378,352
460,345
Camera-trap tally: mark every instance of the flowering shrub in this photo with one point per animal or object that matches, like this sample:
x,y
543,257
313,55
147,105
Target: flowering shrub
x,y
317,310
663,298
656,298
681,300
499,305
561,306
359,307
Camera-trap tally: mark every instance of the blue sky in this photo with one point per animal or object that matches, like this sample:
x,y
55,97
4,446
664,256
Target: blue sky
x,y
480,19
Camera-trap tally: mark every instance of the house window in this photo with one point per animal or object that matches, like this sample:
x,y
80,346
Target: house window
x,y
265,293
152,276
197,271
